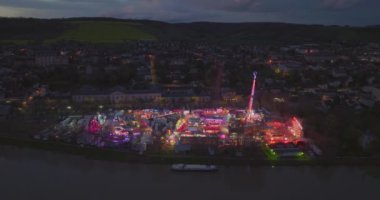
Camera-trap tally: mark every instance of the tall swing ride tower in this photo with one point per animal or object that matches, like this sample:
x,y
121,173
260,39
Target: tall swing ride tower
x,y
250,104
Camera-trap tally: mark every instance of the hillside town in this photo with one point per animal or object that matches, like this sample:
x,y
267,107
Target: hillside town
x,y
51,82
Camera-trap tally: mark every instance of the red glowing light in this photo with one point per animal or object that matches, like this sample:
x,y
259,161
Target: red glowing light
x,y
94,126
182,127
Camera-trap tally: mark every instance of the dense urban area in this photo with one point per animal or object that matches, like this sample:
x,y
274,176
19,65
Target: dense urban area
x,y
310,100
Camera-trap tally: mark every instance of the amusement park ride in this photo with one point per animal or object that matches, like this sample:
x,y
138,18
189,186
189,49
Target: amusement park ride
x,y
250,103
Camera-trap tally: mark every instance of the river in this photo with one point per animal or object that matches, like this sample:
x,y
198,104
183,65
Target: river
x,y
35,174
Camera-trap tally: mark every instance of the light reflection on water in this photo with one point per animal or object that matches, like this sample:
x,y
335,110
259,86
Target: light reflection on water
x,y
32,174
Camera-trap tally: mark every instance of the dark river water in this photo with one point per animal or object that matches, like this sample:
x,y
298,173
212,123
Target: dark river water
x,y
33,174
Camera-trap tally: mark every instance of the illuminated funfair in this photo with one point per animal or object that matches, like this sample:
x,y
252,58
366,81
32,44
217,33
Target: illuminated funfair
x,y
279,132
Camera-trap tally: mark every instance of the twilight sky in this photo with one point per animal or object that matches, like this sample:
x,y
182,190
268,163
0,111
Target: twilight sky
x,y
341,12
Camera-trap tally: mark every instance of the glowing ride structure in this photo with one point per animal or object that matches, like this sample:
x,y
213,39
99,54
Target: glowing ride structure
x,y
94,126
284,132
250,103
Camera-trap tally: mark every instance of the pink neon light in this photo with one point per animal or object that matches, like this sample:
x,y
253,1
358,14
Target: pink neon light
x,y
252,93
298,123
94,126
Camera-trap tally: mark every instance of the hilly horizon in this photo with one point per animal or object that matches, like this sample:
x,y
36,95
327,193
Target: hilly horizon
x,y
113,31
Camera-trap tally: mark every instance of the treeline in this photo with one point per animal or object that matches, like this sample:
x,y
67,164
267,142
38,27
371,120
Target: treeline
x,y
31,29
267,33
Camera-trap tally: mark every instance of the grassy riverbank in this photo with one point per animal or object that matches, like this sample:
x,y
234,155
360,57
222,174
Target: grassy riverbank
x,y
121,156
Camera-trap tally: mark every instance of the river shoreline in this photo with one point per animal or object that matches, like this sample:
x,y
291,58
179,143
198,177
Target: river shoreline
x,y
149,158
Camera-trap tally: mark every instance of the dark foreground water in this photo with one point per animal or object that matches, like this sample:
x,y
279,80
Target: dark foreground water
x,y
32,174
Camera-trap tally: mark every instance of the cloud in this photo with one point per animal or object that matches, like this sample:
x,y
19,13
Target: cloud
x,y
226,5
299,11
147,9
339,4
9,12
57,8
78,5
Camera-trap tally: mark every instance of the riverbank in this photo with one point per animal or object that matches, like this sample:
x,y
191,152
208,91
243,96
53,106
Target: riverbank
x,y
133,157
